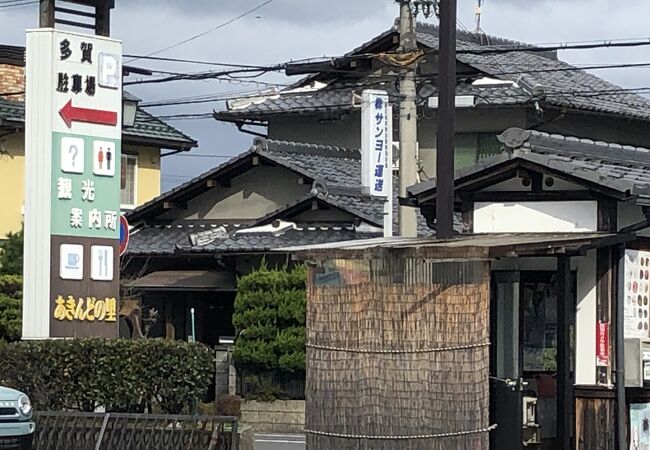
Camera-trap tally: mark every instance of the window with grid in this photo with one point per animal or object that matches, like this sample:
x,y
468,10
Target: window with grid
x,y
128,180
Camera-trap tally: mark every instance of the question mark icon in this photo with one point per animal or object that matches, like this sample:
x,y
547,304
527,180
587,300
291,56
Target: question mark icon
x,y
74,151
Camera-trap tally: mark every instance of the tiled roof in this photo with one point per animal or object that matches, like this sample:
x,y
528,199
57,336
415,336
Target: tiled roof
x,y
622,169
160,240
563,84
146,127
337,170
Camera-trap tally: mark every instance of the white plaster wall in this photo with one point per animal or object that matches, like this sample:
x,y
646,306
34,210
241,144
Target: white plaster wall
x,y
536,217
585,362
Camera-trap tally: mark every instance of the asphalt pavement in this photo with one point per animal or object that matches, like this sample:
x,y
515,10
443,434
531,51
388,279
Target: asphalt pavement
x,y
279,442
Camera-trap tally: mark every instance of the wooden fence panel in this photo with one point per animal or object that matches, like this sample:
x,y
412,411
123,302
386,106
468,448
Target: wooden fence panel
x,y
595,424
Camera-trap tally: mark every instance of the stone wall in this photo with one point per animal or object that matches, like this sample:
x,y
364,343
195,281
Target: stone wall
x,y
280,416
12,79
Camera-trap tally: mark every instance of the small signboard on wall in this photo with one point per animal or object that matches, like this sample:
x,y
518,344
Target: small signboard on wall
x,y
637,294
640,426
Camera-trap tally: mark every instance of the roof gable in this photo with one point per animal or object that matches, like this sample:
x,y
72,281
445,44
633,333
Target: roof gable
x,y
621,172
328,166
563,85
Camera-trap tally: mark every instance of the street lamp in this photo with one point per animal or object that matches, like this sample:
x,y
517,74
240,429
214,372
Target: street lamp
x,y
129,109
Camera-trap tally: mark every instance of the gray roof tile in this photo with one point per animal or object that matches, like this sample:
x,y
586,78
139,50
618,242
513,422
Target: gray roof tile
x,y
337,169
161,240
563,85
623,169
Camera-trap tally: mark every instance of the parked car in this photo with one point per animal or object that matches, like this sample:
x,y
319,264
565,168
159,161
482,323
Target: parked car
x,y
16,424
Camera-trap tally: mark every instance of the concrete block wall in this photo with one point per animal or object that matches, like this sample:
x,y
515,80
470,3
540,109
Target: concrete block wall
x,y
280,416
12,79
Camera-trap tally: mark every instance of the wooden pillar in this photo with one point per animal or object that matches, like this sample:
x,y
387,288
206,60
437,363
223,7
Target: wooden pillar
x,y
565,400
103,17
619,311
46,16
170,331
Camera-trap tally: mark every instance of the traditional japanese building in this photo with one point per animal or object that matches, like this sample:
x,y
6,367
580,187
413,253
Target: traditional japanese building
x,y
539,310
189,245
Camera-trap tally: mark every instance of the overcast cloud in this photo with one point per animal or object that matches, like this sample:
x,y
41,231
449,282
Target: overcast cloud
x,y
294,29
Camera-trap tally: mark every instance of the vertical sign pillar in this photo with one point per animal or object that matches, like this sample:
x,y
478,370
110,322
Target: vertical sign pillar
x,y
377,150
72,204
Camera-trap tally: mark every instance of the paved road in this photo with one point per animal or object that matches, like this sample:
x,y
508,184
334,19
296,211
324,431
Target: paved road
x,y
279,442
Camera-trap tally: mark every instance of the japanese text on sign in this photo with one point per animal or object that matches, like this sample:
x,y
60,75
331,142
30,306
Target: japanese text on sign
x,y
376,140
87,309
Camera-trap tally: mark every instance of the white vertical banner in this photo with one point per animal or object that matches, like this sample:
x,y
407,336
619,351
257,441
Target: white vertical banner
x,y
376,141
377,151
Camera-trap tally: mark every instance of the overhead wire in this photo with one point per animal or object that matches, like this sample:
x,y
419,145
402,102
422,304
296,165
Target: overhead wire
x,y
18,4
196,36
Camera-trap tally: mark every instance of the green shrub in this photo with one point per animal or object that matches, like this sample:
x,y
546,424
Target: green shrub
x,y
270,320
11,254
120,375
11,287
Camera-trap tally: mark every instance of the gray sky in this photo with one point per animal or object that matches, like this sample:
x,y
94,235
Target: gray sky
x,y
295,29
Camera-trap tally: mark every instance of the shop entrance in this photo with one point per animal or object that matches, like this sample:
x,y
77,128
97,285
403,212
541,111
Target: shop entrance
x,y
523,359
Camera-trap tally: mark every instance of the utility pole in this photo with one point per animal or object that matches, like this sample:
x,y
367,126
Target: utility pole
x,y
446,121
408,120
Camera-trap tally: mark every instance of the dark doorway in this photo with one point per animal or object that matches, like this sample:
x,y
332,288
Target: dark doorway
x,y
523,359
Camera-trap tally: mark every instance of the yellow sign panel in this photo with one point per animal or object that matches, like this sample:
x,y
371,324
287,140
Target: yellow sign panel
x,y
85,310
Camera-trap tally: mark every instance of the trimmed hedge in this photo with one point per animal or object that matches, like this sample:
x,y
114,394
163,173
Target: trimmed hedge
x,y
120,375
11,287
270,319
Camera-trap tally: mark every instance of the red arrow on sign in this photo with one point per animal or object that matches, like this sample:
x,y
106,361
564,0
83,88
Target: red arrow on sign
x,y
71,114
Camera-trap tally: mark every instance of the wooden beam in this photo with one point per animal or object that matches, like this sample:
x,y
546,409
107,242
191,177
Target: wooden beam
x,y
564,399
524,196
46,16
607,215
103,18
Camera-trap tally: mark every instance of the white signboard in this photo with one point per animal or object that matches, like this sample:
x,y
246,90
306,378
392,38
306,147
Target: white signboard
x,y
376,143
637,294
73,130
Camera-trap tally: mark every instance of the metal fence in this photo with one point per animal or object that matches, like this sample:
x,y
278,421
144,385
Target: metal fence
x,y
255,383
112,431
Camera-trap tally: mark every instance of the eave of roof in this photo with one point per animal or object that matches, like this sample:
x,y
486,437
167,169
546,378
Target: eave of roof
x,y
147,130
621,105
261,149
619,171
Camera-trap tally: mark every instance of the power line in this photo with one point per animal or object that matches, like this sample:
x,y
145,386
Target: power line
x,y
185,41
556,94
208,75
14,5
189,61
190,155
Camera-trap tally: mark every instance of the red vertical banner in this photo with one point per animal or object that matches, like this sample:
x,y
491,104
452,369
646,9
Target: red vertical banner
x,y
602,344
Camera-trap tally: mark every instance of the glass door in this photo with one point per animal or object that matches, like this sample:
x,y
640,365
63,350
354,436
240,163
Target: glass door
x,y
506,402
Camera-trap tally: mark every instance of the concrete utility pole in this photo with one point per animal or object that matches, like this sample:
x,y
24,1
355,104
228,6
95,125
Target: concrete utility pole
x,y
446,121
408,121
